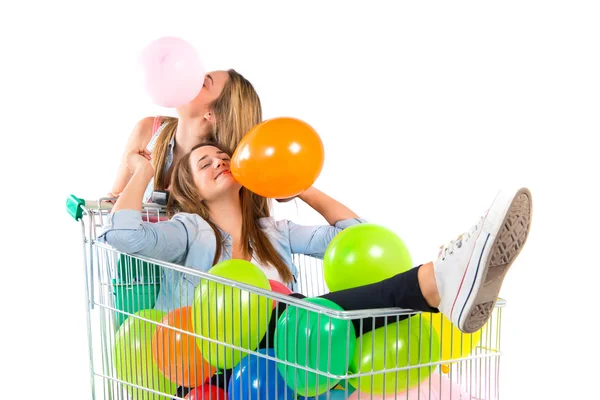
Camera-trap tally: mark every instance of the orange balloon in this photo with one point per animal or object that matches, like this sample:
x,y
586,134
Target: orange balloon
x,y
278,158
176,354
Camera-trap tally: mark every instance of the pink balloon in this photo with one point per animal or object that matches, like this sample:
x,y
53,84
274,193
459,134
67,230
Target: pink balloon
x,y
436,387
279,288
479,377
173,72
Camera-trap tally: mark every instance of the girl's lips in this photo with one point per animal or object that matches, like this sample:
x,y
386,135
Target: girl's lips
x,y
226,172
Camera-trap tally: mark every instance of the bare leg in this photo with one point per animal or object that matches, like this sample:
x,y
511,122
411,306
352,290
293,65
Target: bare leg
x,y
428,284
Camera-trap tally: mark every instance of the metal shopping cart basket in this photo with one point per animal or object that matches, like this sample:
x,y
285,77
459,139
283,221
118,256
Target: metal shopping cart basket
x,y
239,341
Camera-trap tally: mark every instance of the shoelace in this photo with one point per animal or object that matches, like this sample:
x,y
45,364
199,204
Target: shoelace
x,y
449,248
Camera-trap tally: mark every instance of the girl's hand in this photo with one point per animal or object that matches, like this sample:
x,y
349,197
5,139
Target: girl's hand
x,y
298,196
286,200
139,159
112,196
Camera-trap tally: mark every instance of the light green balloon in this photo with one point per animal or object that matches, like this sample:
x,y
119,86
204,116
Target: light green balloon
x,y
410,342
132,355
231,315
364,254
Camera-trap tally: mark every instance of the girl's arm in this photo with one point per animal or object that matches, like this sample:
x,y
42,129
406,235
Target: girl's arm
x,y
138,165
314,240
138,139
331,209
127,232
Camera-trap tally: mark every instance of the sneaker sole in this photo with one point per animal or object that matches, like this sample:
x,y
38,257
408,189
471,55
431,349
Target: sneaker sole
x,y
509,241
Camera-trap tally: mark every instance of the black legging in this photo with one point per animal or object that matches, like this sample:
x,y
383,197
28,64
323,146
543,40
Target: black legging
x,y
402,291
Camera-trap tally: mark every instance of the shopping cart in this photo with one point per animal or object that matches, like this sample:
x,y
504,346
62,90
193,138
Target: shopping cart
x,y
302,349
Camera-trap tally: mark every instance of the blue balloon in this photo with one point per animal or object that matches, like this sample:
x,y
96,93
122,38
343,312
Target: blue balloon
x,y
335,394
255,378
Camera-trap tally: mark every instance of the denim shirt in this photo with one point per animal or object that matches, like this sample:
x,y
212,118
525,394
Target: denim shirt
x,y
188,240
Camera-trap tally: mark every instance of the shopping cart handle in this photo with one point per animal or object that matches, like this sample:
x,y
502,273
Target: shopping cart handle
x,y
74,207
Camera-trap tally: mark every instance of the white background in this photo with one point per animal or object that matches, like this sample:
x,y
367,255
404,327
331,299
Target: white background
x,y
425,110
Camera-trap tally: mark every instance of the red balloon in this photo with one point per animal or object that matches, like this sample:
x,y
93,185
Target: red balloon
x,y
279,288
207,391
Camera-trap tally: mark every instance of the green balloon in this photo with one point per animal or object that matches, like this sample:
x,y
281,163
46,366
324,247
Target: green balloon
x,y
316,341
364,254
410,342
132,354
231,315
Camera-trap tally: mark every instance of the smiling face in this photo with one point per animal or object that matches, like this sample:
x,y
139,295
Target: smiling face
x,y
211,173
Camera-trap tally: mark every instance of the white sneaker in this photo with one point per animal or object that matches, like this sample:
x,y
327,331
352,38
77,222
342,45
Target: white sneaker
x,y
469,270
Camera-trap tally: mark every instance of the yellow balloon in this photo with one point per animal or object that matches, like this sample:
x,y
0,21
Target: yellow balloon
x,y
454,343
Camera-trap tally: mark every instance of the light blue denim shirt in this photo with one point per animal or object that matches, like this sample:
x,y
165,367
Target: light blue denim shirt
x,y
188,240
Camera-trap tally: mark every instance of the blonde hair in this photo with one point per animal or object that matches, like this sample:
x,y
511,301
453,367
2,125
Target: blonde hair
x,y
184,197
159,155
236,111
